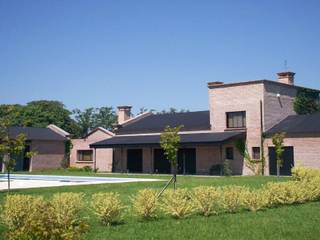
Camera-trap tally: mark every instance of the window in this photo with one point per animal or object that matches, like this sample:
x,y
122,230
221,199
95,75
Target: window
x,y
85,155
256,152
229,153
236,119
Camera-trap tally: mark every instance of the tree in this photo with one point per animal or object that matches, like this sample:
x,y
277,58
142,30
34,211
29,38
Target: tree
x,y
91,118
173,110
10,146
306,101
105,117
277,140
170,141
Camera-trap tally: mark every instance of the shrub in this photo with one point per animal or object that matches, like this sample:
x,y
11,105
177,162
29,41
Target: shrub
x,y
254,200
23,217
278,193
177,203
66,210
304,173
207,200
28,217
227,171
145,203
233,198
108,207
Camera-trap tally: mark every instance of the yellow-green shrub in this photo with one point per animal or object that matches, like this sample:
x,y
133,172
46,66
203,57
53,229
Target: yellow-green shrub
x,y
177,203
278,193
144,203
108,207
207,200
66,213
28,217
23,215
304,173
254,199
233,198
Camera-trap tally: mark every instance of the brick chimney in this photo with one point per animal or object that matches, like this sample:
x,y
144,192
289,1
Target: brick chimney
x,y
124,113
286,77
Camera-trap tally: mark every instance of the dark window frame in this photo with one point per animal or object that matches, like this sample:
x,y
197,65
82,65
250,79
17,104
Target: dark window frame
x,y
233,115
229,155
81,156
256,155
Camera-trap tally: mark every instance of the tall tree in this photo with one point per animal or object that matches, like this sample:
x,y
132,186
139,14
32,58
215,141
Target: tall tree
x,y
105,117
10,146
91,118
170,141
307,101
277,140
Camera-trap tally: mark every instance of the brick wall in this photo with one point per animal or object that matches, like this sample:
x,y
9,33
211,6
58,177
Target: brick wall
x,y
305,150
49,155
103,156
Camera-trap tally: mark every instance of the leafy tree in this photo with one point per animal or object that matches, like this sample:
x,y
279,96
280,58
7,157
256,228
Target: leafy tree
x,y
91,118
42,113
277,140
173,110
170,141
12,111
105,117
307,101
10,146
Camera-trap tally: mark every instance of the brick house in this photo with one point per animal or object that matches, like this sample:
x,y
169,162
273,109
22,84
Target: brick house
x,y
82,154
48,143
243,110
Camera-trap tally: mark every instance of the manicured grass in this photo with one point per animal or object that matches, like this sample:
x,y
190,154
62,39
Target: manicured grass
x,y
288,222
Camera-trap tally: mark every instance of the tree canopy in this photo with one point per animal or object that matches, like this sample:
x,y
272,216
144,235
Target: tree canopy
x,y
42,113
307,101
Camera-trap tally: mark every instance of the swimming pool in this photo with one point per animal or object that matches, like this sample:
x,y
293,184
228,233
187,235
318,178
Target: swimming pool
x,y
35,181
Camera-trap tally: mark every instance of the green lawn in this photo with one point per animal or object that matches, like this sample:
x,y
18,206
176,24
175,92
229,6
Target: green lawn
x,y
288,222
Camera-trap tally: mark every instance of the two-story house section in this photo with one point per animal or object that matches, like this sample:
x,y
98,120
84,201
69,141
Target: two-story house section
x,y
237,111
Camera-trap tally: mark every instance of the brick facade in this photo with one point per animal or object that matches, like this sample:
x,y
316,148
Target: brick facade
x,y
103,156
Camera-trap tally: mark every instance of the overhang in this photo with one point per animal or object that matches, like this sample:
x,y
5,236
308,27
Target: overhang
x,y
154,140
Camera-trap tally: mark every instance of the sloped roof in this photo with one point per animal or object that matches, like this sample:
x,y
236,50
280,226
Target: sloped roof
x,y
188,138
298,124
155,123
33,133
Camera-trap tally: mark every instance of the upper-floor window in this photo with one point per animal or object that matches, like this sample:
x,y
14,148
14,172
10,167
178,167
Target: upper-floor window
x,y
236,119
85,155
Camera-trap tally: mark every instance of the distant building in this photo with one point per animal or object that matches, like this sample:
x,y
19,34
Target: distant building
x,y
83,155
48,144
243,110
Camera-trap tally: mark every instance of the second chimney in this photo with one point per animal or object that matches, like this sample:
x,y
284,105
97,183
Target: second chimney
x,y
124,113
286,77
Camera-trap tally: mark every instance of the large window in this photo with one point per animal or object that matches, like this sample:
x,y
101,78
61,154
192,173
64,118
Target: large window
x,y
85,155
236,119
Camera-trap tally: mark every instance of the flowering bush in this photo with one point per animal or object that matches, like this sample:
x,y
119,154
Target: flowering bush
x,y
233,198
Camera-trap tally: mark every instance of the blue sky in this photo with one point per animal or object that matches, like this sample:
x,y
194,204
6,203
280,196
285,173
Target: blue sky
x,y
153,54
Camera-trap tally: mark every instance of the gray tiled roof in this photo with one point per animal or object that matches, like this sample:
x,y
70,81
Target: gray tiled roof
x,y
155,123
33,133
298,124
191,138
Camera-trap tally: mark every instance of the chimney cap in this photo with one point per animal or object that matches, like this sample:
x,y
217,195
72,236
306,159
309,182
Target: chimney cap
x,y
286,73
124,107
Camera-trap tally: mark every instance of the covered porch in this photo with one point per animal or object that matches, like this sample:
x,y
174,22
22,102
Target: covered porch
x,y
199,153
